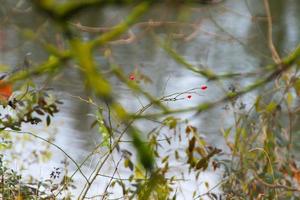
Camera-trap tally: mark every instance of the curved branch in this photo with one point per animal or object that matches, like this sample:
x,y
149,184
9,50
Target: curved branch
x,y
53,144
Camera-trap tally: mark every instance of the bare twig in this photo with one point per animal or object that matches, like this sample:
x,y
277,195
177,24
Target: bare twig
x,y
274,186
112,177
274,52
45,140
210,190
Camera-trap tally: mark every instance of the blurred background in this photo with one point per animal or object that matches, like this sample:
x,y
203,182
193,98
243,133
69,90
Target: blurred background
x,y
225,36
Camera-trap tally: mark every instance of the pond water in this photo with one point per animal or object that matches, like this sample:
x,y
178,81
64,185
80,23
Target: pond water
x,y
227,36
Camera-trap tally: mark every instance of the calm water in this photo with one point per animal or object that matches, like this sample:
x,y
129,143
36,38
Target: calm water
x,y
229,36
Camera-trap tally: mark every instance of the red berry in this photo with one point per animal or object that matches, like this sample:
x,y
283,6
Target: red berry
x,y
132,77
189,96
203,87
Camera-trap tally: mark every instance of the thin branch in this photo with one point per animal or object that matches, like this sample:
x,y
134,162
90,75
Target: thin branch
x,y
55,145
210,190
274,52
287,63
101,163
275,186
112,177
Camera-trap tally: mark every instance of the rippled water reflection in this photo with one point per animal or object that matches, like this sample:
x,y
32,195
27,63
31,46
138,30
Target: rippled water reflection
x,y
229,36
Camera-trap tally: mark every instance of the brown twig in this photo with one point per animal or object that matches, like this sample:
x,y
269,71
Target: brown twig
x,y
131,37
273,50
275,186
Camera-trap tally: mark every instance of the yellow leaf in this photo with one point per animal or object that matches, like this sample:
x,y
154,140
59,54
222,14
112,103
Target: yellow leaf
x,y
289,99
107,53
271,107
120,111
4,68
190,129
257,104
206,184
138,173
19,197
297,86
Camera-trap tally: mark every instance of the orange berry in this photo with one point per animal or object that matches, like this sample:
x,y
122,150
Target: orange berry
x,y
5,90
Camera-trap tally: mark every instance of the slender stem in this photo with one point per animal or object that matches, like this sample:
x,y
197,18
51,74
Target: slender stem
x,y
53,144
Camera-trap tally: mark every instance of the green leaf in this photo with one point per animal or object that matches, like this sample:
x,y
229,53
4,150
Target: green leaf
x,y
144,151
103,129
226,133
94,77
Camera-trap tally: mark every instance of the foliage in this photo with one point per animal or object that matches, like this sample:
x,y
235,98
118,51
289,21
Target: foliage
x,y
258,163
